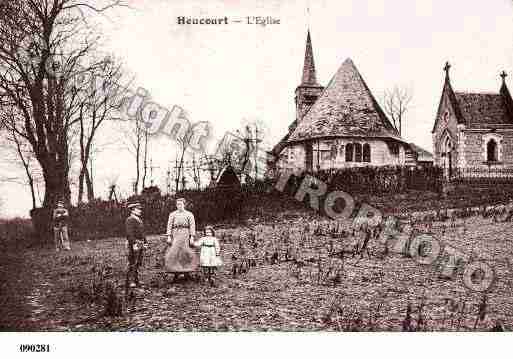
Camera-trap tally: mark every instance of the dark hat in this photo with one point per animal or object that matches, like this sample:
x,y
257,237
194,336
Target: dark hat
x,y
133,205
181,200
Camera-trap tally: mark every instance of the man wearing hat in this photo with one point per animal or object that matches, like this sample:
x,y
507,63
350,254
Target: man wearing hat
x,y
136,243
60,227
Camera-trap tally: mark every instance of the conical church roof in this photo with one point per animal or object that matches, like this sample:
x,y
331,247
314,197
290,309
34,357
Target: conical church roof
x,y
346,108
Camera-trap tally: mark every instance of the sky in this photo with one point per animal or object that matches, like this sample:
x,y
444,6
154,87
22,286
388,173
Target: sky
x,y
226,74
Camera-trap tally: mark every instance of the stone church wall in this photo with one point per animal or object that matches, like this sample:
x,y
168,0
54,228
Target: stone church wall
x,y
294,157
475,148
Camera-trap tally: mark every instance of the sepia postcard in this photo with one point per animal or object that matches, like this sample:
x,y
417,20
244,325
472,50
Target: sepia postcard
x,y
237,166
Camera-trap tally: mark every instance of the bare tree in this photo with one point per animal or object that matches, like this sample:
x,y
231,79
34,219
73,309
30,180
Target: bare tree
x,y
134,133
98,104
43,45
145,157
241,151
396,102
19,154
244,154
196,172
184,144
25,157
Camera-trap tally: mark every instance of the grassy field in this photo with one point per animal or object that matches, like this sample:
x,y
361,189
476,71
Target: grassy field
x,y
297,281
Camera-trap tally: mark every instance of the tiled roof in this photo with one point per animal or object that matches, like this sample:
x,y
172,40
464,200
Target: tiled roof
x,y
482,108
476,110
346,108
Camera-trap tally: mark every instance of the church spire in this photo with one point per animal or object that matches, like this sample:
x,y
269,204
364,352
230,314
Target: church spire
x,y
308,90
309,78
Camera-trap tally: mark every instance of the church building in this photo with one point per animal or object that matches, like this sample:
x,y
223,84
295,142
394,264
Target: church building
x,y
340,125
473,130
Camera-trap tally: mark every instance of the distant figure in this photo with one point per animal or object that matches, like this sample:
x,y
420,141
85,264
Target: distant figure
x,y
60,227
136,243
180,257
210,253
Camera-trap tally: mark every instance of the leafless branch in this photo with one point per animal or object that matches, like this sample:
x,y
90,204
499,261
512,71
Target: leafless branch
x,y
396,103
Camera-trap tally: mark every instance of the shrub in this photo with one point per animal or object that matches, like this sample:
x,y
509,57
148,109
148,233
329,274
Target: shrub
x,y
102,219
16,232
377,180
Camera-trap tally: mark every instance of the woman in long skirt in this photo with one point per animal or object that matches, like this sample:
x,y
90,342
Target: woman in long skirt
x,y
180,257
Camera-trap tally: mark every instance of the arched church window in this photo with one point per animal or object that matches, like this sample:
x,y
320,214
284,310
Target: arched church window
x,y
341,151
349,152
366,153
357,152
448,144
491,151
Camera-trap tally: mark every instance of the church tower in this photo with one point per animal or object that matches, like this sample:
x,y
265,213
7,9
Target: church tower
x,y
309,90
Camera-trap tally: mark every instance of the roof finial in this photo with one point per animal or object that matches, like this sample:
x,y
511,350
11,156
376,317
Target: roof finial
x,y
308,13
446,68
504,75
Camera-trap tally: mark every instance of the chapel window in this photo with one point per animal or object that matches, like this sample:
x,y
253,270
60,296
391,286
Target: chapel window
x,y
366,153
349,152
357,152
491,151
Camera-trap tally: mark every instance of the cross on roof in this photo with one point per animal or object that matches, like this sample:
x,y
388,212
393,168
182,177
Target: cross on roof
x,y
504,75
447,67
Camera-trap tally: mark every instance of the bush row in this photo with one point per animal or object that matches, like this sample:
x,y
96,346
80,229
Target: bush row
x,y
101,219
379,180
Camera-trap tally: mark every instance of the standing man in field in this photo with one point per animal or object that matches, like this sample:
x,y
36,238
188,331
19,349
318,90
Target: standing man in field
x,y
136,243
60,227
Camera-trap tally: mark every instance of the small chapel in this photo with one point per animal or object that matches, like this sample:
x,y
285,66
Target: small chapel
x,y
339,125
473,131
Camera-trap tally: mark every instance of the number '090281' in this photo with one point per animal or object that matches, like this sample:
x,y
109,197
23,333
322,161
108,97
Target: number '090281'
x,y
34,348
